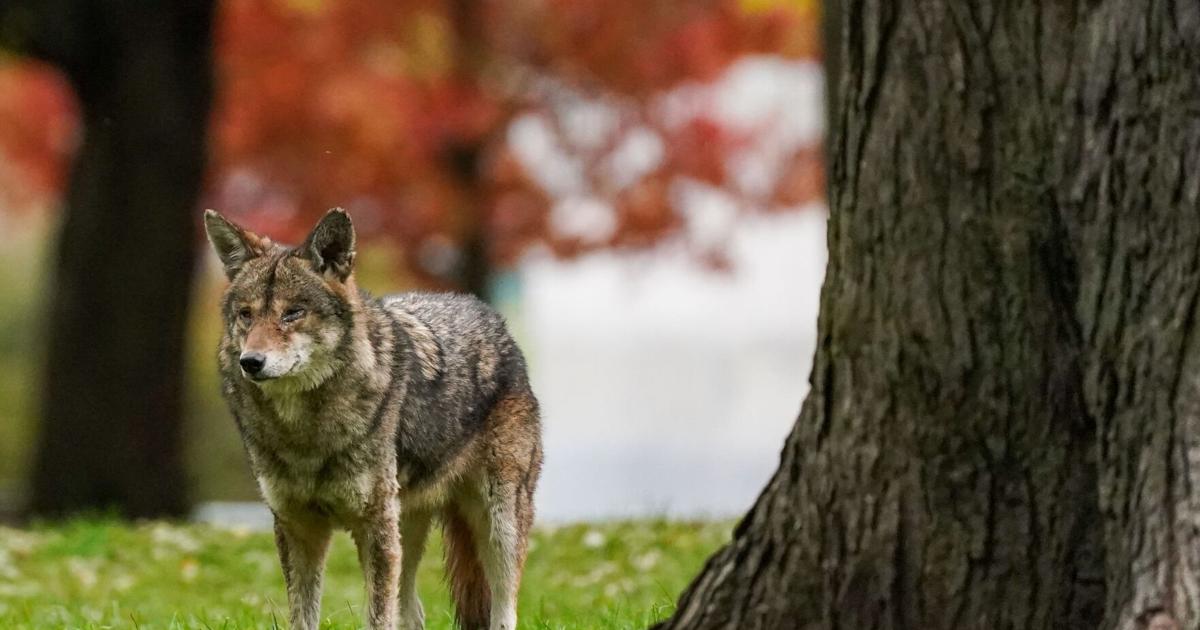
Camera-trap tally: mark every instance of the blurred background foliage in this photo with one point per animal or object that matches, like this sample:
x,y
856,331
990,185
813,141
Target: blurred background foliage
x,y
461,136
375,105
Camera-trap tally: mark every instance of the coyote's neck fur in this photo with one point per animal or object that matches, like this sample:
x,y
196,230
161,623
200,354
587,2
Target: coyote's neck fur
x,y
368,364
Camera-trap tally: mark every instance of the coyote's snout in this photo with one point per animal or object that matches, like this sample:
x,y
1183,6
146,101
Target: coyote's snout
x,y
378,415
285,343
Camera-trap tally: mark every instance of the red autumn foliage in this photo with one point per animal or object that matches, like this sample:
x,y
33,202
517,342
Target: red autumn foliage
x,y
404,113
38,133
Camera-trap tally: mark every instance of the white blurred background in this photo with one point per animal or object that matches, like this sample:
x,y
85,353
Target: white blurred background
x,y
668,387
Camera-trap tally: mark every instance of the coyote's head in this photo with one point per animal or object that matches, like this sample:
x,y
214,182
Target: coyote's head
x,y
286,311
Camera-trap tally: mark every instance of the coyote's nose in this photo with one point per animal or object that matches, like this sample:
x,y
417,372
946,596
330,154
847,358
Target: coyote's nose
x,y
253,362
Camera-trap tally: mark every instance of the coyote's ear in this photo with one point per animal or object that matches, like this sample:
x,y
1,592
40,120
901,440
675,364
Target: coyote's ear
x,y
233,244
330,246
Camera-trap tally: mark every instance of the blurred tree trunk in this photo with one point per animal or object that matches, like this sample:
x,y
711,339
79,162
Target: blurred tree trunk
x,y
112,401
465,159
474,270
1004,411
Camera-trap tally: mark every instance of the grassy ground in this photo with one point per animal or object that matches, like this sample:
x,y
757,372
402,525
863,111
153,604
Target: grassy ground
x,y
108,574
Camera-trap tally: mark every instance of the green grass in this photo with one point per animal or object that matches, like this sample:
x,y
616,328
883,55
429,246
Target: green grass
x,y
110,574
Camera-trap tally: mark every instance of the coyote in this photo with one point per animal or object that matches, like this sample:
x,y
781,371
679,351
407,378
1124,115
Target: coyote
x,y
378,415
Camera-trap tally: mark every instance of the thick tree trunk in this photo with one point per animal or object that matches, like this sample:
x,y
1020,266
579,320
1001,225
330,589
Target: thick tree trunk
x,y
1003,419
112,403
1129,187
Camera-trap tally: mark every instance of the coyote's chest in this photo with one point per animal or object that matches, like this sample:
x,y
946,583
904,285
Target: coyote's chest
x,y
322,465
329,486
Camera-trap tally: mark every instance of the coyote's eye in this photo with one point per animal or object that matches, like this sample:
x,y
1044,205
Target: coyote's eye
x,y
244,315
293,314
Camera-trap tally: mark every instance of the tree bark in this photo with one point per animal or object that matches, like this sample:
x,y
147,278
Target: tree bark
x,y
1128,160
112,401
1002,425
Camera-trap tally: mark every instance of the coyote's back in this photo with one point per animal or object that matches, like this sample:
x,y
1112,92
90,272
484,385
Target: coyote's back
x,y
471,364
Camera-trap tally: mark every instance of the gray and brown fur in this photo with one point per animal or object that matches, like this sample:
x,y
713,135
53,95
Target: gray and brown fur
x,y
378,415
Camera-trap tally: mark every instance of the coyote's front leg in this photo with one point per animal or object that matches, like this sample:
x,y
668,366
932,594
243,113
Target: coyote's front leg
x,y
377,536
302,544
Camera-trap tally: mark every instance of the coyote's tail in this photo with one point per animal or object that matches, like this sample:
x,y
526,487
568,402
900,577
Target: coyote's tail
x,y
468,586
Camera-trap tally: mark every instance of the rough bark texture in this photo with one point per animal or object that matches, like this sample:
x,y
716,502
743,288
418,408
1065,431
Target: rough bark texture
x,y
1128,183
112,403
1004,420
